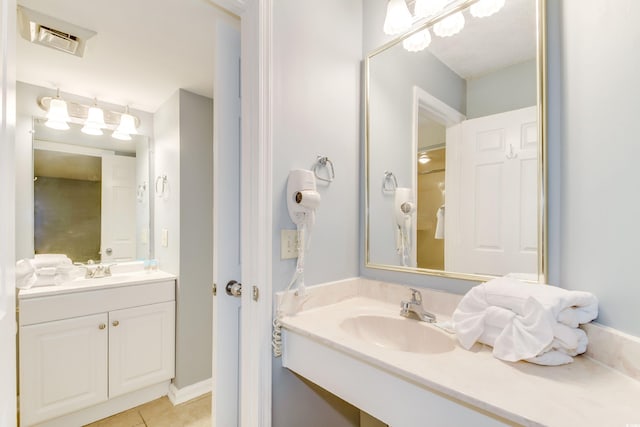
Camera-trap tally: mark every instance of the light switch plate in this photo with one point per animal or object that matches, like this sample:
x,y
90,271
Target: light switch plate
x,y
164,238
288,244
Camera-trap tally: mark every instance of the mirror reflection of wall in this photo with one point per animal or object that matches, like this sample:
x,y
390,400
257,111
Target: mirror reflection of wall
x,y
66,198
91,195
467,107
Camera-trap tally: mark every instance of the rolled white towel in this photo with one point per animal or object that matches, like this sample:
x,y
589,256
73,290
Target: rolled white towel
x,y
25,274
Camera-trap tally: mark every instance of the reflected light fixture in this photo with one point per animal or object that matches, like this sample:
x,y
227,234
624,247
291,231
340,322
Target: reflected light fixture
x,y
424,158
449,26
418,41
425,8
95,121
126,128
58,114
398,18
484,8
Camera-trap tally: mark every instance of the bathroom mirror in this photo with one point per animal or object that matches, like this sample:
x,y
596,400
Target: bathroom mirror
x,y
91,195
455,147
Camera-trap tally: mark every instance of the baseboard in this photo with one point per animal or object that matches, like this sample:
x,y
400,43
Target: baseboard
x,y
184,394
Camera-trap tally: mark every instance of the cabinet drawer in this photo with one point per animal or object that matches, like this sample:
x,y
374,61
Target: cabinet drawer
x,y
56,307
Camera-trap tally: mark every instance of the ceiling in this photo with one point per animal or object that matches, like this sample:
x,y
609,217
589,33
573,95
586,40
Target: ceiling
x,y
492,43
144,50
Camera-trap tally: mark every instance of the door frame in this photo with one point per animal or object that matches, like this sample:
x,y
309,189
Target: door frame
x,y
256,197
8,326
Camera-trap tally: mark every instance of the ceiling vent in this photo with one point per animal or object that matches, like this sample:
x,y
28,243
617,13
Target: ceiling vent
x,y
51,32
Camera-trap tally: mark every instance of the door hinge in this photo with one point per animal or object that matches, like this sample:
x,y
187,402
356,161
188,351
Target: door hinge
x,y
214,289
255,293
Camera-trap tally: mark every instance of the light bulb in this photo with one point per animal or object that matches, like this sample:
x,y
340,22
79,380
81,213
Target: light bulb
x,y
484,8
58,115
95,122
450,25
418,41
398,17
425,8
424,159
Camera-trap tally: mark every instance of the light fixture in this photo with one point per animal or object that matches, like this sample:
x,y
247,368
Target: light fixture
x,y
418,41
126,128
398,18
450,25
424,158
58,114
484,8
95,121
425,8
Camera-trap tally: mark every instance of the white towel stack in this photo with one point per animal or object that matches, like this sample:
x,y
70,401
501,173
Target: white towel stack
x,y
532,322
42,270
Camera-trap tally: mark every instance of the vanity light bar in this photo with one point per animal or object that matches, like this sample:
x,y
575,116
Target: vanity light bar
x,y
81,112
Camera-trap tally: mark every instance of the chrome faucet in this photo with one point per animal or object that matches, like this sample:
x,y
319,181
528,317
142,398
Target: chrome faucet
x,y
93,271
415,309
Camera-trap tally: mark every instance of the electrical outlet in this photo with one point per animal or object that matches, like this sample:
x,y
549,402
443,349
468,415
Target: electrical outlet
x,y
288,244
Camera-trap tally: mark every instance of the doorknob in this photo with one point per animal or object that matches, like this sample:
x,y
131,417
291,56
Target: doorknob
x,y
109,251
234,288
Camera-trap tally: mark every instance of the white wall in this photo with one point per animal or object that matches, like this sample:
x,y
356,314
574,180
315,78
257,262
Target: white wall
x,y
316,85
597,174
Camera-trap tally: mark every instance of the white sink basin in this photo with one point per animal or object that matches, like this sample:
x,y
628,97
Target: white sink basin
x,y
399,334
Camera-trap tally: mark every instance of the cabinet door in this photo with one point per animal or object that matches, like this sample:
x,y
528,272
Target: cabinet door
x,y
141,347
63,367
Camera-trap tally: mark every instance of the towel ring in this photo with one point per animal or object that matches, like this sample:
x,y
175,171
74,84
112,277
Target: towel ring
x,y
389,182
324,162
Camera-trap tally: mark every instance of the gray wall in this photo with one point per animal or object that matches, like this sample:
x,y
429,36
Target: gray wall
x,y
184,152
503,90
592,199
316,112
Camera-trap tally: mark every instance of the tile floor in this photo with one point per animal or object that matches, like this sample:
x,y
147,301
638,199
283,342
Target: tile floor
x,y
161,413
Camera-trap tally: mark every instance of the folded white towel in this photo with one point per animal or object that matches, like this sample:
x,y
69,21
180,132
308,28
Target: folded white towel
x,y
568,307
50,260
523,321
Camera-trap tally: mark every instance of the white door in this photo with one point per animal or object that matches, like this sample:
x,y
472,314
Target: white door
x,y
141,347
498,194
118,231
226,228
7,220
63,367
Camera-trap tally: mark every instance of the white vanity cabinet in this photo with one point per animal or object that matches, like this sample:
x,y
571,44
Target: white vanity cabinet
x,y
92,350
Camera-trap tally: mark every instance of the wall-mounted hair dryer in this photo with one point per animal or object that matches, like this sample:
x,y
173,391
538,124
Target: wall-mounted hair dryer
x,y
302,197
404,208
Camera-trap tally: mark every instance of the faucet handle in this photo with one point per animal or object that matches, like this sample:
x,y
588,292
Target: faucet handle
x,y
416,296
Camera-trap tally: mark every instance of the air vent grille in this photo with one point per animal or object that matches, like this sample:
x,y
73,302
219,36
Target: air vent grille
x,y
58,39
52,32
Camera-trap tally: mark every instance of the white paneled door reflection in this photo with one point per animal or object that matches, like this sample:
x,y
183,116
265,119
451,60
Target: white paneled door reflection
x,y
497,203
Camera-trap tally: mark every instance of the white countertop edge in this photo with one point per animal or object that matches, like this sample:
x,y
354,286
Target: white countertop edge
x,y
86,285
367,353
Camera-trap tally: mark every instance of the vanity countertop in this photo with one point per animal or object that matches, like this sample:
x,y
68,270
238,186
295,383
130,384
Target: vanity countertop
x,y
83,285
583,393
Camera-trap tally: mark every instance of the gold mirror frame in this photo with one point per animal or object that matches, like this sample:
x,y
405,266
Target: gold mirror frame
x,y
541,65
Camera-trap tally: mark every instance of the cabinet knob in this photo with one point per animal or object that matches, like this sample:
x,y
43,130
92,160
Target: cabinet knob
x,y
102,326
115,323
